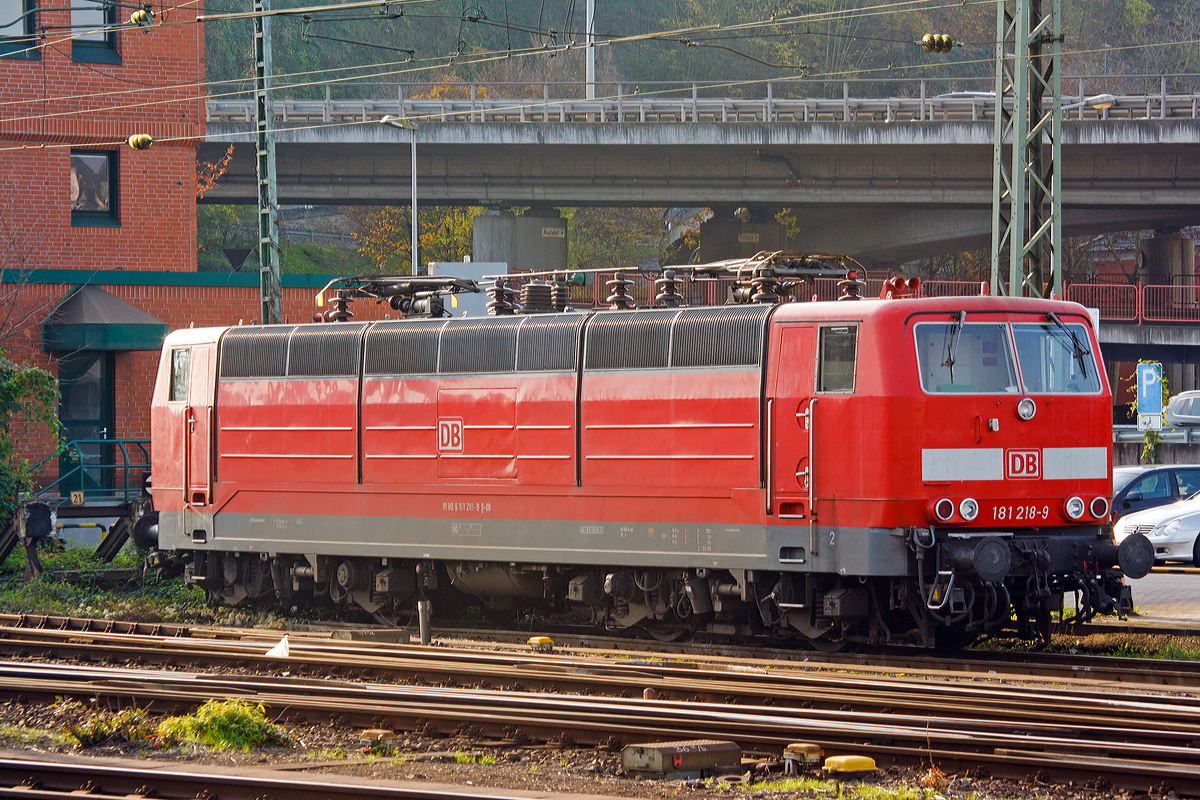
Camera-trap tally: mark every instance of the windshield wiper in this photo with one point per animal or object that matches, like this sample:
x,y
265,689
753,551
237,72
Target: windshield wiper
x,y
1076,345
950,343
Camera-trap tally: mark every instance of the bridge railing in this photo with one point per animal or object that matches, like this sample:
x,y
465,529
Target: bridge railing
x,y
1116,302
675,102
1139,303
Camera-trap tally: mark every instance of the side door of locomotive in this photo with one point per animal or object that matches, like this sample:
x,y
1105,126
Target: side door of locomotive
x,y
198,419
791,410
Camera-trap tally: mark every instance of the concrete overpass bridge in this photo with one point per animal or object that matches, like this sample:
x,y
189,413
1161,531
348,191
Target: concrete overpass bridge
x,y
885,179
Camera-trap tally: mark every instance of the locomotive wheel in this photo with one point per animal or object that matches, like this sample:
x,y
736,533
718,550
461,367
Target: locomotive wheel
x,y
823,645
948,638
666,633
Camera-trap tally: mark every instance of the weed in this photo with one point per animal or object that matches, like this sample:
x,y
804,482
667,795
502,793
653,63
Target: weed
x,y
128,727
224,724
379,750
464,758
488,760
1173,652
16,734
327,755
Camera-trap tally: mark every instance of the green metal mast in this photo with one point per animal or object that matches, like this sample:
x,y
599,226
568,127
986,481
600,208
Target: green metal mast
x,y
1027,182
264,143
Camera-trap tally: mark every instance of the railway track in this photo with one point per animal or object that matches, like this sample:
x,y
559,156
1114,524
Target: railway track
x,y
1010,724
68,779
1136,741
176,645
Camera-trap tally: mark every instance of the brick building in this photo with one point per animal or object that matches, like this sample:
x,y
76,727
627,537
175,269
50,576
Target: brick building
x,y
76,203
97,240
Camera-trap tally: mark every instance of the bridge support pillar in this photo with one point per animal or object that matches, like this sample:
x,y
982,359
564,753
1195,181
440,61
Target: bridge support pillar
x,y
536,240
1167,259
729,237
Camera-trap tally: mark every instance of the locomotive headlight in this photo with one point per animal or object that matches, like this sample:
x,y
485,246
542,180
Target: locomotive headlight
x,y
1075,507
1026,409
1099,507
944,509
969,509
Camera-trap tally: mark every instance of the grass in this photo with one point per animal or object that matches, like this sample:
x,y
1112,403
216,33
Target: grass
x,y
129,726
328,755
141,600
17,735
224,725
219,724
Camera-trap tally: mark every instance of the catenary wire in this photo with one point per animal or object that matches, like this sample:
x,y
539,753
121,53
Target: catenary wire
x,y
487,57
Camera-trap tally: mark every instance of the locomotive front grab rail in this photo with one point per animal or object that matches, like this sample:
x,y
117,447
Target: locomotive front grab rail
x,y
770,455
813,533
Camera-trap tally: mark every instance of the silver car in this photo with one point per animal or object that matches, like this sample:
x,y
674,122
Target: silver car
x,y
1183,410
1173,530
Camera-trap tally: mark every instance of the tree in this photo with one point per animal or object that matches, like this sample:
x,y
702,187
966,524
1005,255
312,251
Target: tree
x,y
620,238
219,227
28,393
385,234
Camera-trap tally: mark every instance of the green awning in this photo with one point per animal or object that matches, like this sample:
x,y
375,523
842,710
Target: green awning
x,y
92,319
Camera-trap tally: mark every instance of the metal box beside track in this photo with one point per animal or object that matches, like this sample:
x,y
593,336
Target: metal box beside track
x,y
686,759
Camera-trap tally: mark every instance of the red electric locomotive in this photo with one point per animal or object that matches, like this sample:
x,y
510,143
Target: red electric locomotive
x,y
836,472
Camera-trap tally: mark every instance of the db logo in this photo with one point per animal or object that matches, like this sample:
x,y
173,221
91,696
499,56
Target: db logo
x,y
1023,463
450,435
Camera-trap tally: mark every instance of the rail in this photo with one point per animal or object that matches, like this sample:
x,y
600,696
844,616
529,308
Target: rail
x,y
103,469
801,101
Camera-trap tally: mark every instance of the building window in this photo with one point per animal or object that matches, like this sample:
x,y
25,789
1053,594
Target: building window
x,y
16,29
93,38
93,188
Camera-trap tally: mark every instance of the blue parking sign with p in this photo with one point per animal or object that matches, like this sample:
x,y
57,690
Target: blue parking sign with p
x,y
1149,389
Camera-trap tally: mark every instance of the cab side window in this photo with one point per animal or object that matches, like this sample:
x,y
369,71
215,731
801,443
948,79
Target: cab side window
x,y
1153,487
1188,481
181,362
839,349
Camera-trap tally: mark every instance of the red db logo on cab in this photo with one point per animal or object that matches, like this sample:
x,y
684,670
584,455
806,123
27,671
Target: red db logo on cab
x,y
450,435
1022,463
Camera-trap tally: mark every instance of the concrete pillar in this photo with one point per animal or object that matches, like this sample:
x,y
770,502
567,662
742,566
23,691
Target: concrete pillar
x,y
533,242
731,238
1167,259
1174,376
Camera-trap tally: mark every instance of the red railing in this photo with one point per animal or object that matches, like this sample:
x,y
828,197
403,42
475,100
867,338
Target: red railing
x,y
1171,303
1128,303
952,288
1118,303
825,289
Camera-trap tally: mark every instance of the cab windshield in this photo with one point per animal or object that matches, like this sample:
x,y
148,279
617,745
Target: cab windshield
x,y
975,358
1055,359
983,358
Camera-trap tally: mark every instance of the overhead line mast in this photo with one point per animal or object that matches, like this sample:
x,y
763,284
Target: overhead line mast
x,y
1027,185
264,145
